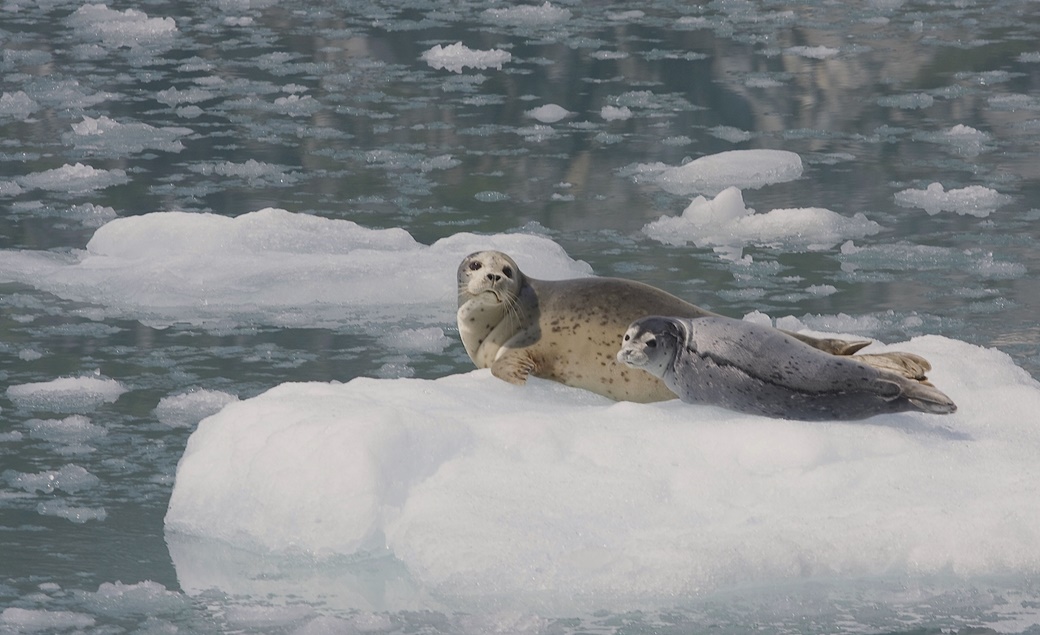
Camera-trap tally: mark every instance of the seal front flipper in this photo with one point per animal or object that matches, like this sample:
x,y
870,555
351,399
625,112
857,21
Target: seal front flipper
x,y
514,366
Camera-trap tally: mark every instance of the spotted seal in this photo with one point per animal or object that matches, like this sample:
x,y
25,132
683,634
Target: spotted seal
x,y
568,330
760,370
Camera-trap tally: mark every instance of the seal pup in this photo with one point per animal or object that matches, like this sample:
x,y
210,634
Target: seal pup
x,y
760,370
568,330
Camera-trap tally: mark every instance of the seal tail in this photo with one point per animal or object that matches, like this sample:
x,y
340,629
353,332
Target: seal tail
x,y
924,397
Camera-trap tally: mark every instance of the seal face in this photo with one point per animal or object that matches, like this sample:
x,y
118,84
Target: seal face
x,y
568,330
760,370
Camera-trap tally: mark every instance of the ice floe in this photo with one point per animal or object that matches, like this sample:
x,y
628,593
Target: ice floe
x,y
709,175
456,57
476,492
66,394
725,221
974,200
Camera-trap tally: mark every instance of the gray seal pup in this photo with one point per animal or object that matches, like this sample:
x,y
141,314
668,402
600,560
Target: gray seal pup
x,y
568,330
760,370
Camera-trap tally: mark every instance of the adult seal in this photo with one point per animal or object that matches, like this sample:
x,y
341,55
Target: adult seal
x,y
759,370
568,330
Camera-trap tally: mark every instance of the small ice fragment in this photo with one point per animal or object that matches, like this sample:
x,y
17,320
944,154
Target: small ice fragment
x,y
549,113
1032,56
615,113
187,409
714,173
66,394
422,340
114,29
17,105
143,598
70,478
912,101
976,200
37,620
527,15
78,515
457,56
491,196
812,52
75,429
74,179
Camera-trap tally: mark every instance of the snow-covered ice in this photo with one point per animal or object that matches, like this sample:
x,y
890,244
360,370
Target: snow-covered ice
x,y
66,394
724,221
270,267
709,175
549,113
456,57
975,200
544,495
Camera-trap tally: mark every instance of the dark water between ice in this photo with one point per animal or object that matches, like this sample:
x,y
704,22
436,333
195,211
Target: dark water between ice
x,y
335,106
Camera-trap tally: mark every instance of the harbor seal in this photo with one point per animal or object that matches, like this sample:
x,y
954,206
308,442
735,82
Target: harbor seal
x,y
760,370
568,330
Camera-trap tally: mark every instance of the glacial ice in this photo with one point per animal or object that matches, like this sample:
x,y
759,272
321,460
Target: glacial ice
x,y
709,175
548,496
527,15
130,28
455,57
106,137
74,179
70,478
270,267
725,221
187,409
66,394
36,620
976,200
549,113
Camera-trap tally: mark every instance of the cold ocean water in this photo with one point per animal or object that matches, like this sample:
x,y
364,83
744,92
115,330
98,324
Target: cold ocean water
x,y
868,169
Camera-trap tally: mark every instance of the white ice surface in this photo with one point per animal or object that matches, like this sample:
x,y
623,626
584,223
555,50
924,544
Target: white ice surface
x,y
74,179
115,29
551,497
976,200
455,57
726,222
549,113
527,15
187,409
709,175
20,620
66,394
70,478
270,267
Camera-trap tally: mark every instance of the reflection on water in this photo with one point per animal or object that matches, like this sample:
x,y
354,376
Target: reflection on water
x,y
330,111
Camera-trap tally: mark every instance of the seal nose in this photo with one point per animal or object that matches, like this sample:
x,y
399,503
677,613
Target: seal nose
x,y
494,277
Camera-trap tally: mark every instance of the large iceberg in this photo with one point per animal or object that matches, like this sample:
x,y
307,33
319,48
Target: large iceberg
x,y
476,493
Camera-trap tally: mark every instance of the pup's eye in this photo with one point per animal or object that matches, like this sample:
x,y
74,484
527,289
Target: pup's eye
x,y
651,343
627,337
507,271
473,266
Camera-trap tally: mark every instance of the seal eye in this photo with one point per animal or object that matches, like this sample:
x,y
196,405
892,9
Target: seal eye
x,y
507,271
651,343
474,265
627,337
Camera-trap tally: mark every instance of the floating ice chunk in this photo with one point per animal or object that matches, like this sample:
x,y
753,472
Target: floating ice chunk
x,y
1033,56
90,214
270,267
812,52
70,478
527,15
176,97
907,102
425,340
457,56
904,256
964,139
975,200
17,105
713,173
144,598
549,113
37,620
66,394
73,430
78,515
107,137
729,133
250,169
187,409
74,179
648,502
130,28
725,221
615,113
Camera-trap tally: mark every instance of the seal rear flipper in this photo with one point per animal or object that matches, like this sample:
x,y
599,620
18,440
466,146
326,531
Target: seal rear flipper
x,y
906,365
925,398
513,366
830,345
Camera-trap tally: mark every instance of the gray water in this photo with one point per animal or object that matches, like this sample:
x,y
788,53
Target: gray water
x,y
337,99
